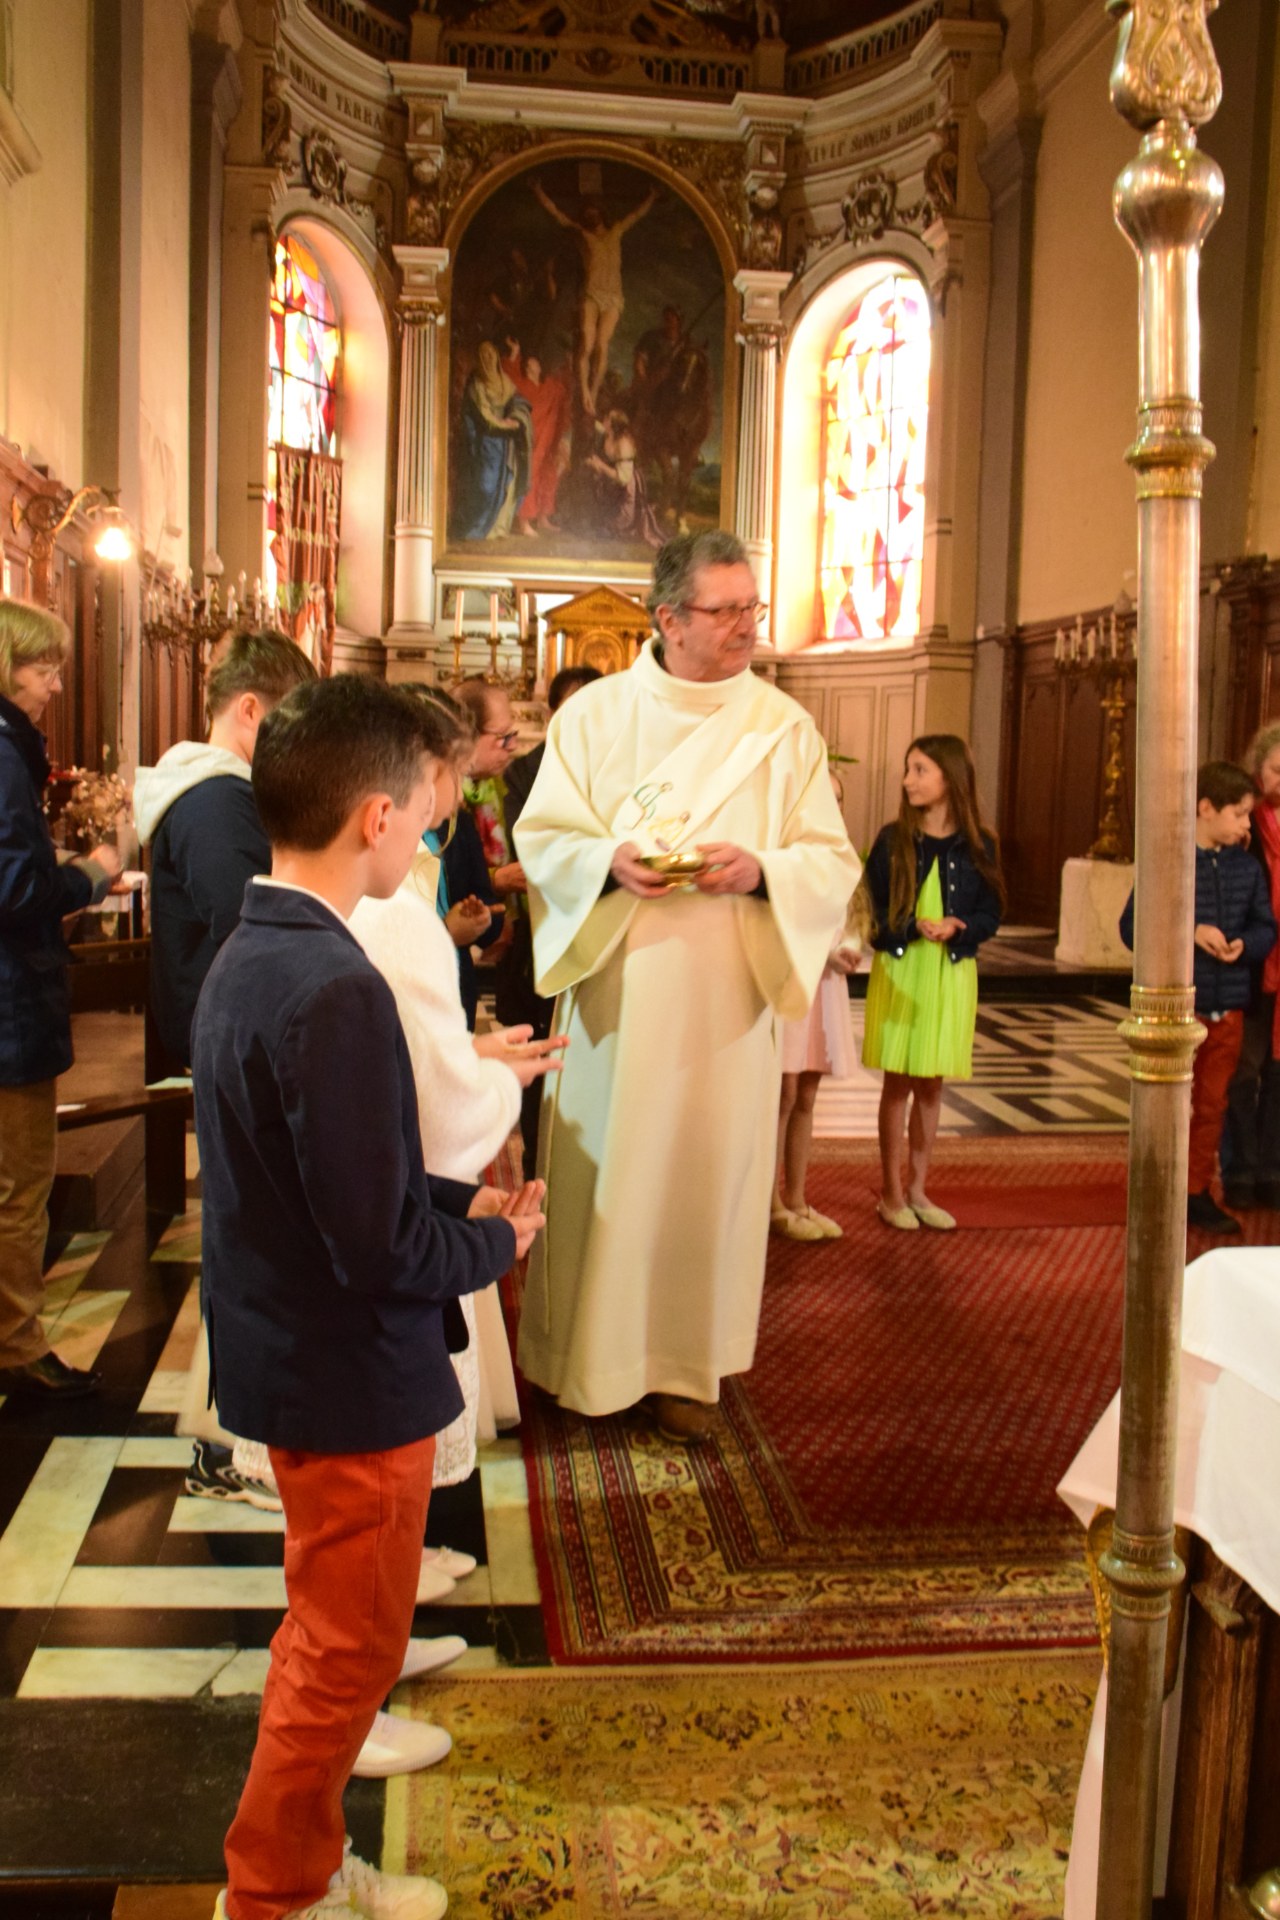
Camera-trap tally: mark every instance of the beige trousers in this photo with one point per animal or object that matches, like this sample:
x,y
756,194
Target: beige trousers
x,y
28,1151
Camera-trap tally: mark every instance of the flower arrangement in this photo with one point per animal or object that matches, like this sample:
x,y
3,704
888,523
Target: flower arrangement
x,y
98,805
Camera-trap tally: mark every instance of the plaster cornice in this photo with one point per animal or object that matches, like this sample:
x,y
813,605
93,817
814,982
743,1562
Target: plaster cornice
x,y
574,110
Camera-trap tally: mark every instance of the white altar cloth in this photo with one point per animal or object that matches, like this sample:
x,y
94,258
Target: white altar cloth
x,y
1226,1487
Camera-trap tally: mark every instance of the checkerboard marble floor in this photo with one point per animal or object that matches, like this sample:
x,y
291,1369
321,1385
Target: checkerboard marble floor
x,y
135,1620
1054,1067
115,1584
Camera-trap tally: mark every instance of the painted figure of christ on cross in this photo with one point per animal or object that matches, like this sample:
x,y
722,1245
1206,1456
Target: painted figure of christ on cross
x,y
600,302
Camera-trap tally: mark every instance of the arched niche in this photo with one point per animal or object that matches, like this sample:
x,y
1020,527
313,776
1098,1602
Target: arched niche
x,y
653,258
816,311
364,432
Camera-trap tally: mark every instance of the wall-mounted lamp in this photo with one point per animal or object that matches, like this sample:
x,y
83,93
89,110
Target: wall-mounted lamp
x,y
46,514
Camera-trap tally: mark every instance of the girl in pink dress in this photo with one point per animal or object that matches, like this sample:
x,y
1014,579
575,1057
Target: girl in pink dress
x,y
820,1043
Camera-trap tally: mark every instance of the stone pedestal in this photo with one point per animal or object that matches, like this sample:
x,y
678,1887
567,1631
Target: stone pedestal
x,y
1093,898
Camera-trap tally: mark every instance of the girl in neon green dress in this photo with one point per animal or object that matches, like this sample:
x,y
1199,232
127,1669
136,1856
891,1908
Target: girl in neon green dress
x,y
934,885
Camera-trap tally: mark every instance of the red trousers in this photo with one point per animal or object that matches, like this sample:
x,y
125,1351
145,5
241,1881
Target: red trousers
x,y
352,1550
1216,1060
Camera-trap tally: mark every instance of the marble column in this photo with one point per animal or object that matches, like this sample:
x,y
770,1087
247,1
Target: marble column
x,y
760,336
421,315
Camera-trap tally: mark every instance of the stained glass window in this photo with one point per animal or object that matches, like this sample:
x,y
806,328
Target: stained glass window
x,y
305,356
876,405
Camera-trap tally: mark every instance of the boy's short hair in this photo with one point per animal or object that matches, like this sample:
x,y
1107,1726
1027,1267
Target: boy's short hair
x,y
1222,784
329,745
260,662
28,634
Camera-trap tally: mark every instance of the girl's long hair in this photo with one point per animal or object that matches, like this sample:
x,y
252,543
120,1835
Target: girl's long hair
x,y
949,753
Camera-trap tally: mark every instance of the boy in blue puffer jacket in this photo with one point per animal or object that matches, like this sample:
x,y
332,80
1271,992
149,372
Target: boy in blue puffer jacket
x,y
1235,930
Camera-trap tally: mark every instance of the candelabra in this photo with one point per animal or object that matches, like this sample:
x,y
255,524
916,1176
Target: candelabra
x,y
1105,653
518,681
175,614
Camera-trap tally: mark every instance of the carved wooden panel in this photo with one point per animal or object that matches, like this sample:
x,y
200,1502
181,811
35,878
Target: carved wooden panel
x,y
1226,1813
1053,773
1251,590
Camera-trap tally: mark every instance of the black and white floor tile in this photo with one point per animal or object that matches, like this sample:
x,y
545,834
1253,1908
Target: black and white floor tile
x,y
135,1620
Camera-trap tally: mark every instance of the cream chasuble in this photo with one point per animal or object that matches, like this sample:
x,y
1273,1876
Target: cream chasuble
x,y
658,1138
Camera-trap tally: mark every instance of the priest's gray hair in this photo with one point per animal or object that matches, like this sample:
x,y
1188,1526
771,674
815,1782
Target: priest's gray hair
x,y
678,564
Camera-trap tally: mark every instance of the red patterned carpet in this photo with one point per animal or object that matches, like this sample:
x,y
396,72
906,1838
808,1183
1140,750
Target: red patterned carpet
x,y
884,1478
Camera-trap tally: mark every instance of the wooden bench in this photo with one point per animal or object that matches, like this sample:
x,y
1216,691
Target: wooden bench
x,y
164,1112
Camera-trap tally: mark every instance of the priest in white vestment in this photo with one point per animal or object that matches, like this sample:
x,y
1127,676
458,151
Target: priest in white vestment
x,y
658,1139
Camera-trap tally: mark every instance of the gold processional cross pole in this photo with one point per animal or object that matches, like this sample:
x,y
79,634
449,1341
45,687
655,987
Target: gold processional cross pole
x,y
1165,82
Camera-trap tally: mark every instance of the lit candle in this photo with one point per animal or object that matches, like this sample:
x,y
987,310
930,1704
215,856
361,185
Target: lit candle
x,y
493,616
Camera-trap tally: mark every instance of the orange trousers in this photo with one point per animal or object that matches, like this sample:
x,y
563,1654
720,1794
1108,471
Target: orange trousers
x,y
354,1525
1216,1059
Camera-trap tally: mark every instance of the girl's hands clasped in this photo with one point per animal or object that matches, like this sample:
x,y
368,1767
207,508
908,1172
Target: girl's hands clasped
x,y
940,930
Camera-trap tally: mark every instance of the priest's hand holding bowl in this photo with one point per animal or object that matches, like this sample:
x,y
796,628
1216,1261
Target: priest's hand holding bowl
x,y
629,869
728,869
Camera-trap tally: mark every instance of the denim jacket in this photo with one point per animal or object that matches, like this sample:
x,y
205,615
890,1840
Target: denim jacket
x,y
966,895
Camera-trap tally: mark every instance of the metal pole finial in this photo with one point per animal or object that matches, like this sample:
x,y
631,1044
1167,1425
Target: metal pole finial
x,y
1165,67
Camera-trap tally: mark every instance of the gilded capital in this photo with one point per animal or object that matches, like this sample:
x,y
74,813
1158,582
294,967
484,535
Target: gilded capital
x,y
1165,67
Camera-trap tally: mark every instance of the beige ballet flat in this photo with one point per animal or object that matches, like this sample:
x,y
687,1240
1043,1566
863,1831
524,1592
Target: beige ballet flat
x,y
795,1226
829,1229
930,1216
903,1218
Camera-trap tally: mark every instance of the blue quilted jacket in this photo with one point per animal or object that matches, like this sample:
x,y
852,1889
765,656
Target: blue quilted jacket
x,y
1231,894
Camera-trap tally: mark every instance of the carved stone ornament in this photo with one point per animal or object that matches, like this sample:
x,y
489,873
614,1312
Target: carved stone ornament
x,y
868,207
715,168
473,151
324,169
277,120
423,222
661,23
942,175
1164,67
764,239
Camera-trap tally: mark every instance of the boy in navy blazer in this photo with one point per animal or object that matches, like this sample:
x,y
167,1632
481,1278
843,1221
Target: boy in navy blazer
x,y
332,1268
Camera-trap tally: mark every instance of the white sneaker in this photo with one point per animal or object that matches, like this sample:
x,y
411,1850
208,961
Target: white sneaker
x,y
251,1457
449,1560
435,1585
425,1656
399,1746
337,1904
388,1896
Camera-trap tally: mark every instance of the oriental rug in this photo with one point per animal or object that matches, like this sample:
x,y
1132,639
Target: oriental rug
x,y
816,1793
882,1481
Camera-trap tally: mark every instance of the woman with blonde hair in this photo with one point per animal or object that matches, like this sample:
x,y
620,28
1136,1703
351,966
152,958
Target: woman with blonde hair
x,y
1251,1139
38,889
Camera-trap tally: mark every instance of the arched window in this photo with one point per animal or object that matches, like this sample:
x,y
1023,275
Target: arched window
x,y
303,472
875,401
